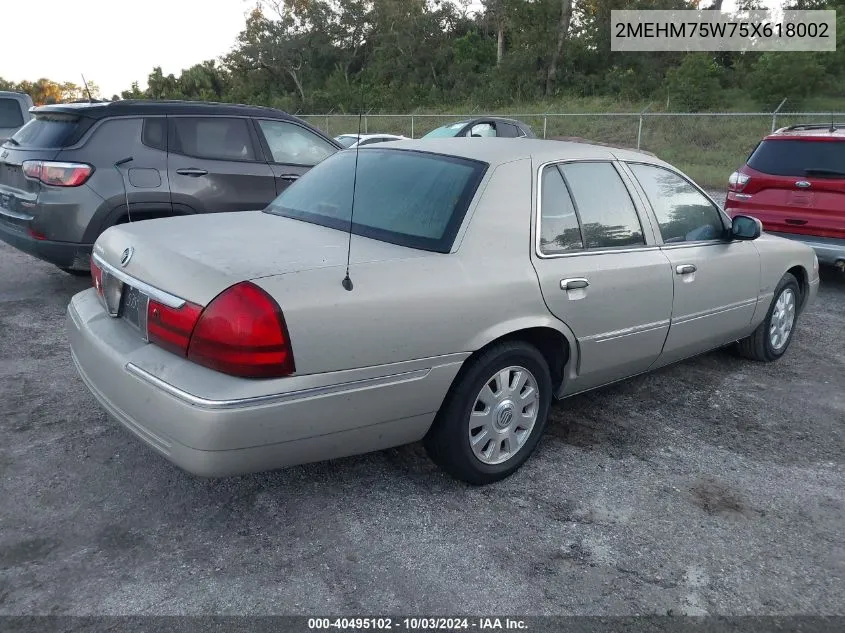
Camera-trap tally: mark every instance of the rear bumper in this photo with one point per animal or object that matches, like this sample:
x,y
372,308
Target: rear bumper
x,y
829,250
218,434
62,254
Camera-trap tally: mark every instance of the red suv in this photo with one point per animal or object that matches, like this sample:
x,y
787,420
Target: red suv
x,y
794,182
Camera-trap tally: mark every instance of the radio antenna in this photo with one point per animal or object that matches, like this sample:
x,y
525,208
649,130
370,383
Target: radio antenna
x,y
347,281
88,90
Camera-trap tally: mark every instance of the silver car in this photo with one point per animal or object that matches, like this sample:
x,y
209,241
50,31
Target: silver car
x,y
467,286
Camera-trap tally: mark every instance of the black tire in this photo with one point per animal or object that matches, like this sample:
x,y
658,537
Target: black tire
x,y
75,272
448,443
758,346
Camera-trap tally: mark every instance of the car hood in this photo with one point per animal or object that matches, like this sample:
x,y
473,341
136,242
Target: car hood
x,y
197,257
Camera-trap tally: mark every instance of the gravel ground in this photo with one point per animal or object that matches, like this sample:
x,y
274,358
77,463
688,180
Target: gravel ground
x,y
714,486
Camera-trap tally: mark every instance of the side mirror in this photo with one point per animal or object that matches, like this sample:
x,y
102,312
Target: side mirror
x,y
744,227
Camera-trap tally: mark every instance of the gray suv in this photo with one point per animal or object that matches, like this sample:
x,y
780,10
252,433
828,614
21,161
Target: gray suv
x,y
67,175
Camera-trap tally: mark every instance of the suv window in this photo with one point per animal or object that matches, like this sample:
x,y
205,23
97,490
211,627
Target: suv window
x,y
559,229
216,138
604,206
49,131
403,197
154,133
10,113
291,144
683,213
791,157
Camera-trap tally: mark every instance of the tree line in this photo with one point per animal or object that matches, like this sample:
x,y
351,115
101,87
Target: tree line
x,y
321,56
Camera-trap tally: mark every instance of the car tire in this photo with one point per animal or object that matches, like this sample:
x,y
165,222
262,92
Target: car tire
x,y
491,392
76,272
771,339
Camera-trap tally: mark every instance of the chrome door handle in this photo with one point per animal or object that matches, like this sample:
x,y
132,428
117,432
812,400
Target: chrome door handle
x,y
191,171
685,269
290,177
573,284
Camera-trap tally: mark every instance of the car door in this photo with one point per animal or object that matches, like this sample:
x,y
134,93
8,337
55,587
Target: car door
x,y
600,270
215,164
292,150
716,281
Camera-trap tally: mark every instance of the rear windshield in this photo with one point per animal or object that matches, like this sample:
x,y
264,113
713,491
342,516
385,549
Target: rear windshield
x,y
47,131
410,198
790,157
10,113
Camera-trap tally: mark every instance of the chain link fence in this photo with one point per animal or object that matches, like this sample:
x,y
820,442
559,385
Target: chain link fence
x,y
706,145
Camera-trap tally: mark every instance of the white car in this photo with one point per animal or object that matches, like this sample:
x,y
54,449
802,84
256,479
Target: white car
x,y
350,141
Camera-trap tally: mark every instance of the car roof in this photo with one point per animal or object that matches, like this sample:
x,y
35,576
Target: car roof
x,y
810,131
496,151
131,107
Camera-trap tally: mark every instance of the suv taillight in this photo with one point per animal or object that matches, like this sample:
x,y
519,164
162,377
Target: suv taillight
x,y
242,332
737,181
57,174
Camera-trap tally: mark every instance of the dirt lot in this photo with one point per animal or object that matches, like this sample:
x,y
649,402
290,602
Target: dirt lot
x,y
714,486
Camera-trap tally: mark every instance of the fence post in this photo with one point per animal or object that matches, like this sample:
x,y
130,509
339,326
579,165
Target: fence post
x,y
545,125
412,127
640,127
775,114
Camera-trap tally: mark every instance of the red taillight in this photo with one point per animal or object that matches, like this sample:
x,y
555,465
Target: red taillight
x,y
737,181
97,276
242,332
170,328
57,174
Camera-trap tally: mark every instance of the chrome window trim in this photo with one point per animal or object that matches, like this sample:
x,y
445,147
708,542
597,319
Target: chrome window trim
x,y
726,220
171,301
538,190
275,398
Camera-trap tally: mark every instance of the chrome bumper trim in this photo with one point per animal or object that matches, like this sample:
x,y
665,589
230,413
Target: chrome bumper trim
x,y
276,398
171,301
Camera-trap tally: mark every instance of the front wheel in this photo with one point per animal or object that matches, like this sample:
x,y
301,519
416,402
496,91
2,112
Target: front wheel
x,y
772,337
494,415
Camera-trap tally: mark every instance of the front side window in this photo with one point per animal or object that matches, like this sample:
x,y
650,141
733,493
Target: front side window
x,y
294,145
410,198
484,130
683,213
10,113
216,138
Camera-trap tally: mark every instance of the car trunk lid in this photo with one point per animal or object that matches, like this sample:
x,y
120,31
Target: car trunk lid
x,y
197,257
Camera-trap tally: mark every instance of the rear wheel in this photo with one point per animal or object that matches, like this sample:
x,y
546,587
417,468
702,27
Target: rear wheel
x,y
772,337
494,415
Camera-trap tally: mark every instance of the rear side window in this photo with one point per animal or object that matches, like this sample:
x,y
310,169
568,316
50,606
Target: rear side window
x,y
409,198
294,145
791,157
506,130
10,113
216,138
559,228
48,131
608,216
155,133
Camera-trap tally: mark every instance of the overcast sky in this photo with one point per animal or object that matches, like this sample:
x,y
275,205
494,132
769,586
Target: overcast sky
x,y
116,42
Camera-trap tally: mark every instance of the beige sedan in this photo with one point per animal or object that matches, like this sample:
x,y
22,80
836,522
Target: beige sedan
x,y
484,279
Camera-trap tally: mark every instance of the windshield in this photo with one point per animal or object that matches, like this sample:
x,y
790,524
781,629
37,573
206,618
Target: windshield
x,y
346,141
799,158
446,131
10,113
409,198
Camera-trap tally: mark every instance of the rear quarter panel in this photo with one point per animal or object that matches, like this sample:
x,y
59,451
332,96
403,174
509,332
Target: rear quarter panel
x,y
428,306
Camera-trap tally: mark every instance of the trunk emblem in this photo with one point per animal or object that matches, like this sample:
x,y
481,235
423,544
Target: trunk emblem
x,y
126,256
802,184
4,154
